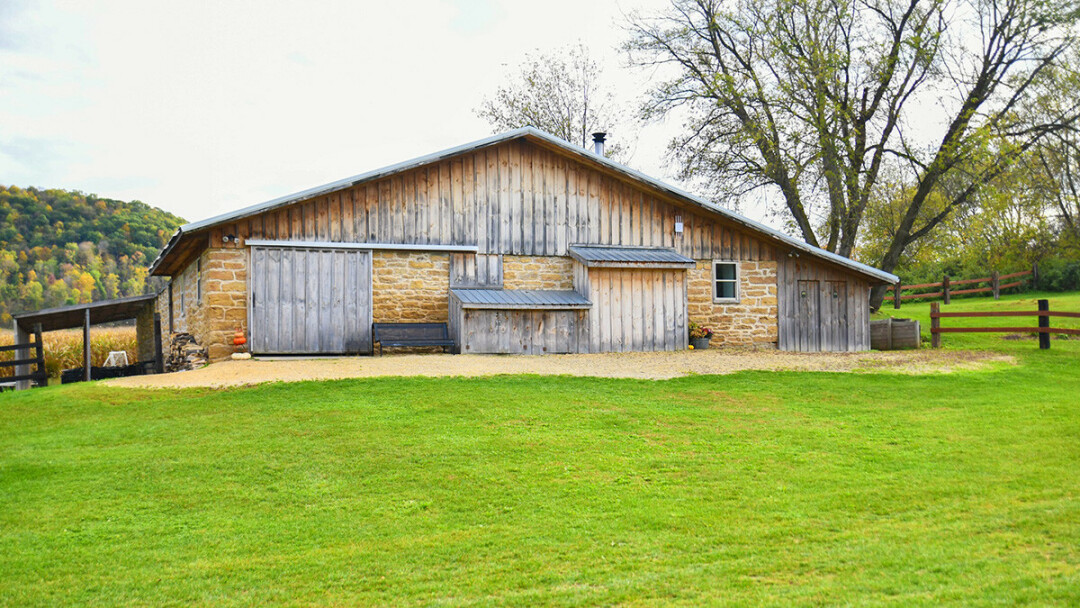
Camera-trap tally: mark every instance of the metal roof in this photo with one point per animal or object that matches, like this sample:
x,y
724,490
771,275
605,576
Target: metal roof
x,y
640,257
65,317
548,139
530,299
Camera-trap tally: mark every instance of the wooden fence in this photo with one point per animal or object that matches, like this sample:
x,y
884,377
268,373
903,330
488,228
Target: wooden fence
x,y
1043,313
39,377
947,285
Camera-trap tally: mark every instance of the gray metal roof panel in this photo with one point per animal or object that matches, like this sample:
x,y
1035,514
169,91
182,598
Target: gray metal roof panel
x,y
519,298
602,253
551,140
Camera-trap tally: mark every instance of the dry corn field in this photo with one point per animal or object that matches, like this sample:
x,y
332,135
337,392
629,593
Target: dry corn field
x,y
63,349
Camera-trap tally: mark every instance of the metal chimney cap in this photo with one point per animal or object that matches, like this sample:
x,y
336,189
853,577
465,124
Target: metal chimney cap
x,y
599,137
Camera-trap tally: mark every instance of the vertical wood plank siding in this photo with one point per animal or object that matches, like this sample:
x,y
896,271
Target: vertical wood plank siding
x,y
524,332
634,310
310,300
514,198
818,320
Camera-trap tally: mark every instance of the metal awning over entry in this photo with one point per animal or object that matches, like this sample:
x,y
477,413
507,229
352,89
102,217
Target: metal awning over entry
x,y
85,315
607,256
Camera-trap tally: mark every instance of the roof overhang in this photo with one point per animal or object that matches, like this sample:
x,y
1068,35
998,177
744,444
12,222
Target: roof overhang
x,y
610,256
550,142
67,317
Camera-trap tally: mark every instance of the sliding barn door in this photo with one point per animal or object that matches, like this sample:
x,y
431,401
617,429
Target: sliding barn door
x,y
310,301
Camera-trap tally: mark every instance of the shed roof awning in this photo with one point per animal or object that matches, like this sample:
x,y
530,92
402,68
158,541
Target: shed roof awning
x,y
66,317
607,256
528,299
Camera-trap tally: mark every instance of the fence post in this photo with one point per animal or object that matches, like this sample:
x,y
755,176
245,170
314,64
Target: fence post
x,y
1035,275
935,324
896,295
86,344
1044,322
39,354
945,289
21,337
995,283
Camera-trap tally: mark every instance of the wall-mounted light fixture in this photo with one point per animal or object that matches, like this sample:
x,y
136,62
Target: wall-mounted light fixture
x,y
678,224
229,238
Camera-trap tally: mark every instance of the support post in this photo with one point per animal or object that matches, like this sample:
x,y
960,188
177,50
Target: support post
x,y
39,354
995,283
86,345
171,325
1044,322
945,289
896,295
21,337
935,324
159,361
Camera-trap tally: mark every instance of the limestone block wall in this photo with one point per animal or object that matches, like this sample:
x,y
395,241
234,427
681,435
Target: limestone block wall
x,y
224,301
751,321
537,272
213,315
410,287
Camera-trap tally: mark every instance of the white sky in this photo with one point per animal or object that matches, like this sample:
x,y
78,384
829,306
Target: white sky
x,y
206,106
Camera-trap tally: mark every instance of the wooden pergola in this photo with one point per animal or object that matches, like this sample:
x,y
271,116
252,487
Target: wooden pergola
x,y
85,315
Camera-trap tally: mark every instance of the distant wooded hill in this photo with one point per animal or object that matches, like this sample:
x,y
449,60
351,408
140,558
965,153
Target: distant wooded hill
x,y
59,247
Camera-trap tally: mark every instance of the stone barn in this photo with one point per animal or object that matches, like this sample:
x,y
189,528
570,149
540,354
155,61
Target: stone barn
x,y
520,243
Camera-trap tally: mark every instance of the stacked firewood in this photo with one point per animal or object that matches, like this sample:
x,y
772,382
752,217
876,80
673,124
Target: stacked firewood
x,y
184,353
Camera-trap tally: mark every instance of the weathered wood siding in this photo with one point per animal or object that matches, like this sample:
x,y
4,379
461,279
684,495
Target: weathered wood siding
x,y
821,308
525,332
515,198
634,310
471,270
310,300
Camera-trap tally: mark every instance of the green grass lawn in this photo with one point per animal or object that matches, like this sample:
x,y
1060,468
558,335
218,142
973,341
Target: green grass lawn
x,y
750,489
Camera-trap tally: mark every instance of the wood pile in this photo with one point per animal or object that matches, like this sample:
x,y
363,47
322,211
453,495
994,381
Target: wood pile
x,y
184,353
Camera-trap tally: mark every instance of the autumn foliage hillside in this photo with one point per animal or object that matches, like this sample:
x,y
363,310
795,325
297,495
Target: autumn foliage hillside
x,y
59,247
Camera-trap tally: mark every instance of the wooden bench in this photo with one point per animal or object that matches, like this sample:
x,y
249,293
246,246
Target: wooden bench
x,y
411,334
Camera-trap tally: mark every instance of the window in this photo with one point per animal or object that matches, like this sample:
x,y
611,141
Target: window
x,y
725,281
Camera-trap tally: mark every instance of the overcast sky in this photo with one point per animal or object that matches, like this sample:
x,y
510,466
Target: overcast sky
x,y
203,107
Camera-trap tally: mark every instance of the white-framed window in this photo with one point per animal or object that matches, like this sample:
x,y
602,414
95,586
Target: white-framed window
x,y
725,278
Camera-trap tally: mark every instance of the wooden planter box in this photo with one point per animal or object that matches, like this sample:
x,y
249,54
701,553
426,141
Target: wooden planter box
x,y
894,334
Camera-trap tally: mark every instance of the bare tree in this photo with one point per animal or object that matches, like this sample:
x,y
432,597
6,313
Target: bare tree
x,y
815,99
559,93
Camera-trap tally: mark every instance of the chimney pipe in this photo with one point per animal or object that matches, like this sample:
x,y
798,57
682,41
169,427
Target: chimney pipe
x,y
598,142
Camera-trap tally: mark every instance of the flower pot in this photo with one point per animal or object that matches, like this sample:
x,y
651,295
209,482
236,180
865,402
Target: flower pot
x,y
699,343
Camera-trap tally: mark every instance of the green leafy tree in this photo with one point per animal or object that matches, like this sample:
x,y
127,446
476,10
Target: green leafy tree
x,y
816,101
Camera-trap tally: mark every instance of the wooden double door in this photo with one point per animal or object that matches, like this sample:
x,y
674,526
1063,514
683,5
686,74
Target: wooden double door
x,y
310,300
822,322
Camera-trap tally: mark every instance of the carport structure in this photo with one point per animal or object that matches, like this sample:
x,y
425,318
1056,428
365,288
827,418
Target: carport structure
x,y
140,308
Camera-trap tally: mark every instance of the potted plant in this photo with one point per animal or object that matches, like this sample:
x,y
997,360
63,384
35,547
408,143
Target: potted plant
x,y
699,336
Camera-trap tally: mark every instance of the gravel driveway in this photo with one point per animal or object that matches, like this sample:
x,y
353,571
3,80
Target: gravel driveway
x,y
656,366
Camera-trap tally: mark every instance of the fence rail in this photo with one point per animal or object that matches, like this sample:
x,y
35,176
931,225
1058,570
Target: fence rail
x,y
39,377
1043,314
946,284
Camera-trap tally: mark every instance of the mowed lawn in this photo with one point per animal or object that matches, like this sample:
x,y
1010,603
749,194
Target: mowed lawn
x,y
749,489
